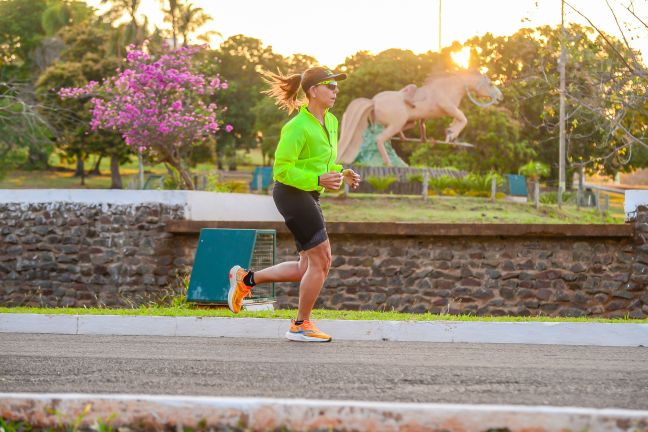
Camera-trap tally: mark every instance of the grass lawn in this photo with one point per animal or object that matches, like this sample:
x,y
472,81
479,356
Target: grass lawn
x,y
367,207
318,314
61,176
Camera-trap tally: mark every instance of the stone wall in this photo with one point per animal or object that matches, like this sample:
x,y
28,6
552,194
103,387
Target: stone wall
x,y
480,276
71,254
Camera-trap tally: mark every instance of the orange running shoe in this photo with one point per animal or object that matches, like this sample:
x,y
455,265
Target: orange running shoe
x,y
238,290
306,332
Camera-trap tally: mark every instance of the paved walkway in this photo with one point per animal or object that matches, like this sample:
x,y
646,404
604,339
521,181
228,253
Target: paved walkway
x,y
550,375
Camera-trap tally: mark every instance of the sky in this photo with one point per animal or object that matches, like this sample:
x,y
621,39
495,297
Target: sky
x,y
330,31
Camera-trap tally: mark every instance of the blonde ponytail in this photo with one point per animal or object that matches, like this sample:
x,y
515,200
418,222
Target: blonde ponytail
x,y
284,89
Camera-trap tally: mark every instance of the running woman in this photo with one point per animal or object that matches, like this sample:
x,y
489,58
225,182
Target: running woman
x,y
304,167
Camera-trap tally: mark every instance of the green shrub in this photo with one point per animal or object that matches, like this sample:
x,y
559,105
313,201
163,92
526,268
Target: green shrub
x,y
172,181
234,187
482,183
534,170
438,184
381,184
552,197
415,178
471,185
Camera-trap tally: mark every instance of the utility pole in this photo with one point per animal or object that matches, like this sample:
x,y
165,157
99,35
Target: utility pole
x,y
440,25
561,139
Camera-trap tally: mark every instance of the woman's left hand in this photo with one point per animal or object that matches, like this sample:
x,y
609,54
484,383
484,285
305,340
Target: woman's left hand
x,y
351,178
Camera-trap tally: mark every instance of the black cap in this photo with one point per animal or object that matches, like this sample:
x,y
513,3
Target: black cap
x,y
318,74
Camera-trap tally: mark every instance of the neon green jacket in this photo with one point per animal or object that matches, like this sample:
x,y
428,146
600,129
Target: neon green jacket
x,y
306,151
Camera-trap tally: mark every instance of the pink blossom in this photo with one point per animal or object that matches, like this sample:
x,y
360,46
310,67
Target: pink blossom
x,y
229,128
154,101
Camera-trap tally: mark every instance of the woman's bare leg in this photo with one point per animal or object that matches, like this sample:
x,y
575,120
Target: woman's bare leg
x,y
319,263
289,271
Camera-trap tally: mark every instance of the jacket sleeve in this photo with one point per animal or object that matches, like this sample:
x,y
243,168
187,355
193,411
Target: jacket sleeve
x,y
291,143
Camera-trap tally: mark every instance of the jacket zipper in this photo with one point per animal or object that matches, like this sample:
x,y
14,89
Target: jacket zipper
x,y
328,138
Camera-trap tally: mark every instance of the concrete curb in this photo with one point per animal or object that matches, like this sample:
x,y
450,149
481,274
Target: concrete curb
x,y
263,414
543,333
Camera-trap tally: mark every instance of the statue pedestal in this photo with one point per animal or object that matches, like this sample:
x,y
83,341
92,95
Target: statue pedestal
x,y
369,154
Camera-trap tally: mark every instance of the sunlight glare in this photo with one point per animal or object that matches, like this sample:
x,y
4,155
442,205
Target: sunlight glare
x,y
461,58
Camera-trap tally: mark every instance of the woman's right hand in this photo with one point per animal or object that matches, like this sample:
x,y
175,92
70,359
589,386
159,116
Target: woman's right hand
x,y
332,180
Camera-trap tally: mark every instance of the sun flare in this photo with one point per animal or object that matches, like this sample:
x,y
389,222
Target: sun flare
x,y
462,57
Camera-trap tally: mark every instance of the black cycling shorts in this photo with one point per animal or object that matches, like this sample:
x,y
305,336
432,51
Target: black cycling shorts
x,y
303,215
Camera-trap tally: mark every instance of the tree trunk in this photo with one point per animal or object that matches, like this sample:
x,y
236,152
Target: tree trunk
x,y
184,175
115,176
187,179
96,170
80,168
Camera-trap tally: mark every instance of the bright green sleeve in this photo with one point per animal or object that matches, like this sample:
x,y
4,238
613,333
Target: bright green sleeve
x,y
336,167
291,143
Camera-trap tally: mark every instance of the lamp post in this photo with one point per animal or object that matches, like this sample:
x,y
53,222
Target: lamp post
x,y
561,138
440,25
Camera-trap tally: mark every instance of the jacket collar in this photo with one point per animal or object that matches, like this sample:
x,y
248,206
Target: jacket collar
x,y
304,109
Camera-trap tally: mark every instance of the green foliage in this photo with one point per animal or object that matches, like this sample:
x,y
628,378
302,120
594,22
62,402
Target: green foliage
x,y
85,58
214,185
415,178
25,134
437,184
21,32
238,59
552,198
482,183
470,185
497,137
269,121
14,426
534,170
381,184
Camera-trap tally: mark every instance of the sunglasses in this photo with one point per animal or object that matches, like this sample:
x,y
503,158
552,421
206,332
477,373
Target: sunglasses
x,y
330,84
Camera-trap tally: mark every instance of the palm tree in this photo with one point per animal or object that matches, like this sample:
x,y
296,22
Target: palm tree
x,y
131,32
172,17
190,19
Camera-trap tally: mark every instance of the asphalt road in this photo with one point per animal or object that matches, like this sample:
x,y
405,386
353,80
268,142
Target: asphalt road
x,y
599,377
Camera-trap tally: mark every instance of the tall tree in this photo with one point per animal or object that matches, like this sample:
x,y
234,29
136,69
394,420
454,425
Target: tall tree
x,y
86,58
21,127
172,16
130,33
21,31
241,57
190,20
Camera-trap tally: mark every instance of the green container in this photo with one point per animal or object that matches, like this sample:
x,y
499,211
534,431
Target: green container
x,y
517,185
218,251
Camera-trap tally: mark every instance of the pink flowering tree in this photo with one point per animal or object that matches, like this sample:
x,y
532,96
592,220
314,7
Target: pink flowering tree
x,y
160,105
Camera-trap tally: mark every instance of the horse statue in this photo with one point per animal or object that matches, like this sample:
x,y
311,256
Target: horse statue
x,y
398,111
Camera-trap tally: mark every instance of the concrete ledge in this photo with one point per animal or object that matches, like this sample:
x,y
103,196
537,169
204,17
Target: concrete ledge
x,y
424,229
197,205
537,333
39,323
263,414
